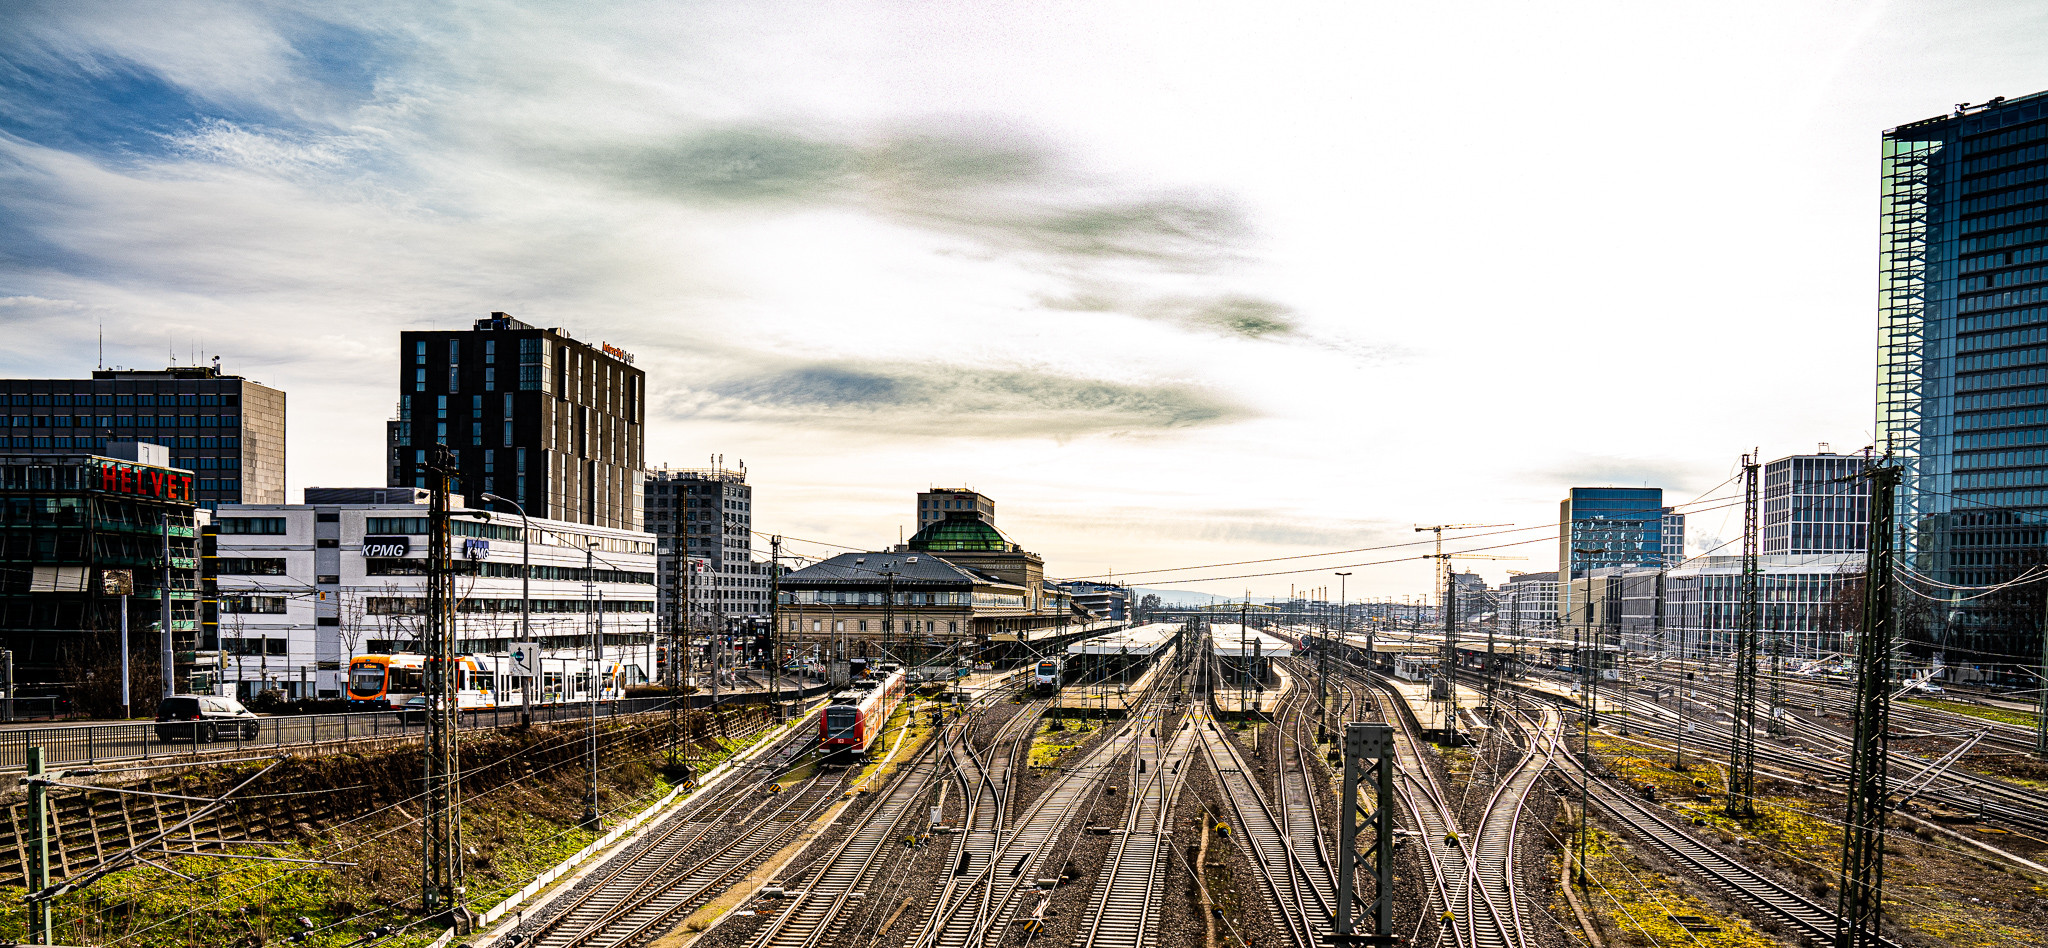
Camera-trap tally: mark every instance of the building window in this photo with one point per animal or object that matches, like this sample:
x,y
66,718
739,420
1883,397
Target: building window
x,y
264,526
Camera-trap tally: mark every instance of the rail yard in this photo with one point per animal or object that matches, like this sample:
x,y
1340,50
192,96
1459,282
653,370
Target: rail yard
x,y
1196,798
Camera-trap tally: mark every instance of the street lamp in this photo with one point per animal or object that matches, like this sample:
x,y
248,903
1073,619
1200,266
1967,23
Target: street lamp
x,y
525,599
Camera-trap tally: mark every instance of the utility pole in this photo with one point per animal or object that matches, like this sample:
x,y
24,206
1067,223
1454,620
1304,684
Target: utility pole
x,y
591,819
774,629
41,930
1742,759
1448,605
1860,911
1323,659
2041,709
441,839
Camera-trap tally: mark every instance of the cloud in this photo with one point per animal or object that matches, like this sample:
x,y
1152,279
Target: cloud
x,y
1606,471
954,401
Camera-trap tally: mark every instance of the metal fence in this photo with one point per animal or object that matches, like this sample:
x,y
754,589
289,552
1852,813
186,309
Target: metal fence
x,y
82,744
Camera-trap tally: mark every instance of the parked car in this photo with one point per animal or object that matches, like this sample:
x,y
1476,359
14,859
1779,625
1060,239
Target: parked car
x,y
205,718
414,710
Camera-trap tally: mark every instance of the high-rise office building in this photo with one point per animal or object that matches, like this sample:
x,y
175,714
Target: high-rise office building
x,y
1962,380
1610,527
1816,503
531,414
934,505
225,429
1673,538
706,516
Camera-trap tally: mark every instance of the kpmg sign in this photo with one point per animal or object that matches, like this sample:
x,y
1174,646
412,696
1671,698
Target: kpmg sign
x,y
386,547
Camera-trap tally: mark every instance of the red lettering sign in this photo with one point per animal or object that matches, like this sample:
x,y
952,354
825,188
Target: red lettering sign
x,y
145,482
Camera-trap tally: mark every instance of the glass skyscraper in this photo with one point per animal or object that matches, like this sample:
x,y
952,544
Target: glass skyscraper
x,y
1962,385
1607,527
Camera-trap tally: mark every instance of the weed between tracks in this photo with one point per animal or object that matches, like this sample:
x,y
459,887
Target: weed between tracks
x,y
1055,738
2001,715
1633,905
1936,891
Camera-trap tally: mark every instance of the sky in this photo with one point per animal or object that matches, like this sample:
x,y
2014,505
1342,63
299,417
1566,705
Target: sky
x,y
1176,284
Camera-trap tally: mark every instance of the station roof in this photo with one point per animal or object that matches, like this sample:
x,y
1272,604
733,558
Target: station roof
x,y
1141,640
1234,640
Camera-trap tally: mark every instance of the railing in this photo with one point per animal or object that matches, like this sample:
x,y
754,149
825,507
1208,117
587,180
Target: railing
x,y
85,744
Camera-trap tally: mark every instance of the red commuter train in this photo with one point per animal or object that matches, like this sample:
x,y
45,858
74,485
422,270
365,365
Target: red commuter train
x,y
856,716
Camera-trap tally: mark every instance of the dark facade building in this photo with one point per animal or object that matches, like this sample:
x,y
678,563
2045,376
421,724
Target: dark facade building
x,y
1962,382
531,414
66,521
1816,503
225,429
706,517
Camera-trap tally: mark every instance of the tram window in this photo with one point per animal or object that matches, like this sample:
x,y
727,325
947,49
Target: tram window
x,y
480,681
404,680
366,680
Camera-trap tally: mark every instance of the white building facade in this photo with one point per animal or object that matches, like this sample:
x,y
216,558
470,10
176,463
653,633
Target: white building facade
x,y
304,588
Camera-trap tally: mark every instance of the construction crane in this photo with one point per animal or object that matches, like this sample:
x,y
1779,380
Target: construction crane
x,y
1446,607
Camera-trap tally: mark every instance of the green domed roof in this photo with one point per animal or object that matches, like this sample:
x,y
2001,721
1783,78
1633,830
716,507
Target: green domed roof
x,y
959,534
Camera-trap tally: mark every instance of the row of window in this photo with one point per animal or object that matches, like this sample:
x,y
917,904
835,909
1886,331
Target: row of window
x,y
2008,298
2032,478
97,444
1993,182
2006,278
417,605
1992,260
2016,156
2002,419
910,626
2007,219
257,526
2008,199
1973,383
2008,239
2001,439
118,401
2000,360
2001,340
845,597
574,574
122,421
2001,459
2025,396
2003,139
2012,498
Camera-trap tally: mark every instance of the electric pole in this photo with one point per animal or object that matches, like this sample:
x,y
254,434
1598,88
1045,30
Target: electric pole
x,y
1742,759
774,630
441,837
1860,911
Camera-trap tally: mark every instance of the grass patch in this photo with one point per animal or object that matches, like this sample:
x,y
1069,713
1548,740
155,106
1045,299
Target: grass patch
x,y
1055,738
1636,907
2001,715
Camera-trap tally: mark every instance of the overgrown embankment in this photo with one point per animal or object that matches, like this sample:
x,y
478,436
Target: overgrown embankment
x,y
356,817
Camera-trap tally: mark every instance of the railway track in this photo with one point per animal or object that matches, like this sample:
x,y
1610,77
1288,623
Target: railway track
x,y
1126,898
1298,907
668,876
838,878
990,778
1495,885
1739,882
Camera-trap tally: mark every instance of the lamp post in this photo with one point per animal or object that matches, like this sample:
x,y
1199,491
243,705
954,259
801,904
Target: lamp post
x,y
525,600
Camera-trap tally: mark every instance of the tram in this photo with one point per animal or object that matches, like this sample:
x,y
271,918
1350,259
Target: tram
x,y
482,682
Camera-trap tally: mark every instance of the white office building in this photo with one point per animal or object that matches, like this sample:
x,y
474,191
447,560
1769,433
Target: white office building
x,y
304,588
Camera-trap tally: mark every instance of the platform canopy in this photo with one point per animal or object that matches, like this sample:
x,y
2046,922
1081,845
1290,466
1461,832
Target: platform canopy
x,y
1142,640
1233,641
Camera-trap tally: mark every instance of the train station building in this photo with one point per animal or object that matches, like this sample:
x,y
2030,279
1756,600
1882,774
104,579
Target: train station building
x,y
954,588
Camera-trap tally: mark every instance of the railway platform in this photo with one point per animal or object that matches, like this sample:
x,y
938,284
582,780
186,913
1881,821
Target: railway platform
x,y
1261,700
1111,698
1430,714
